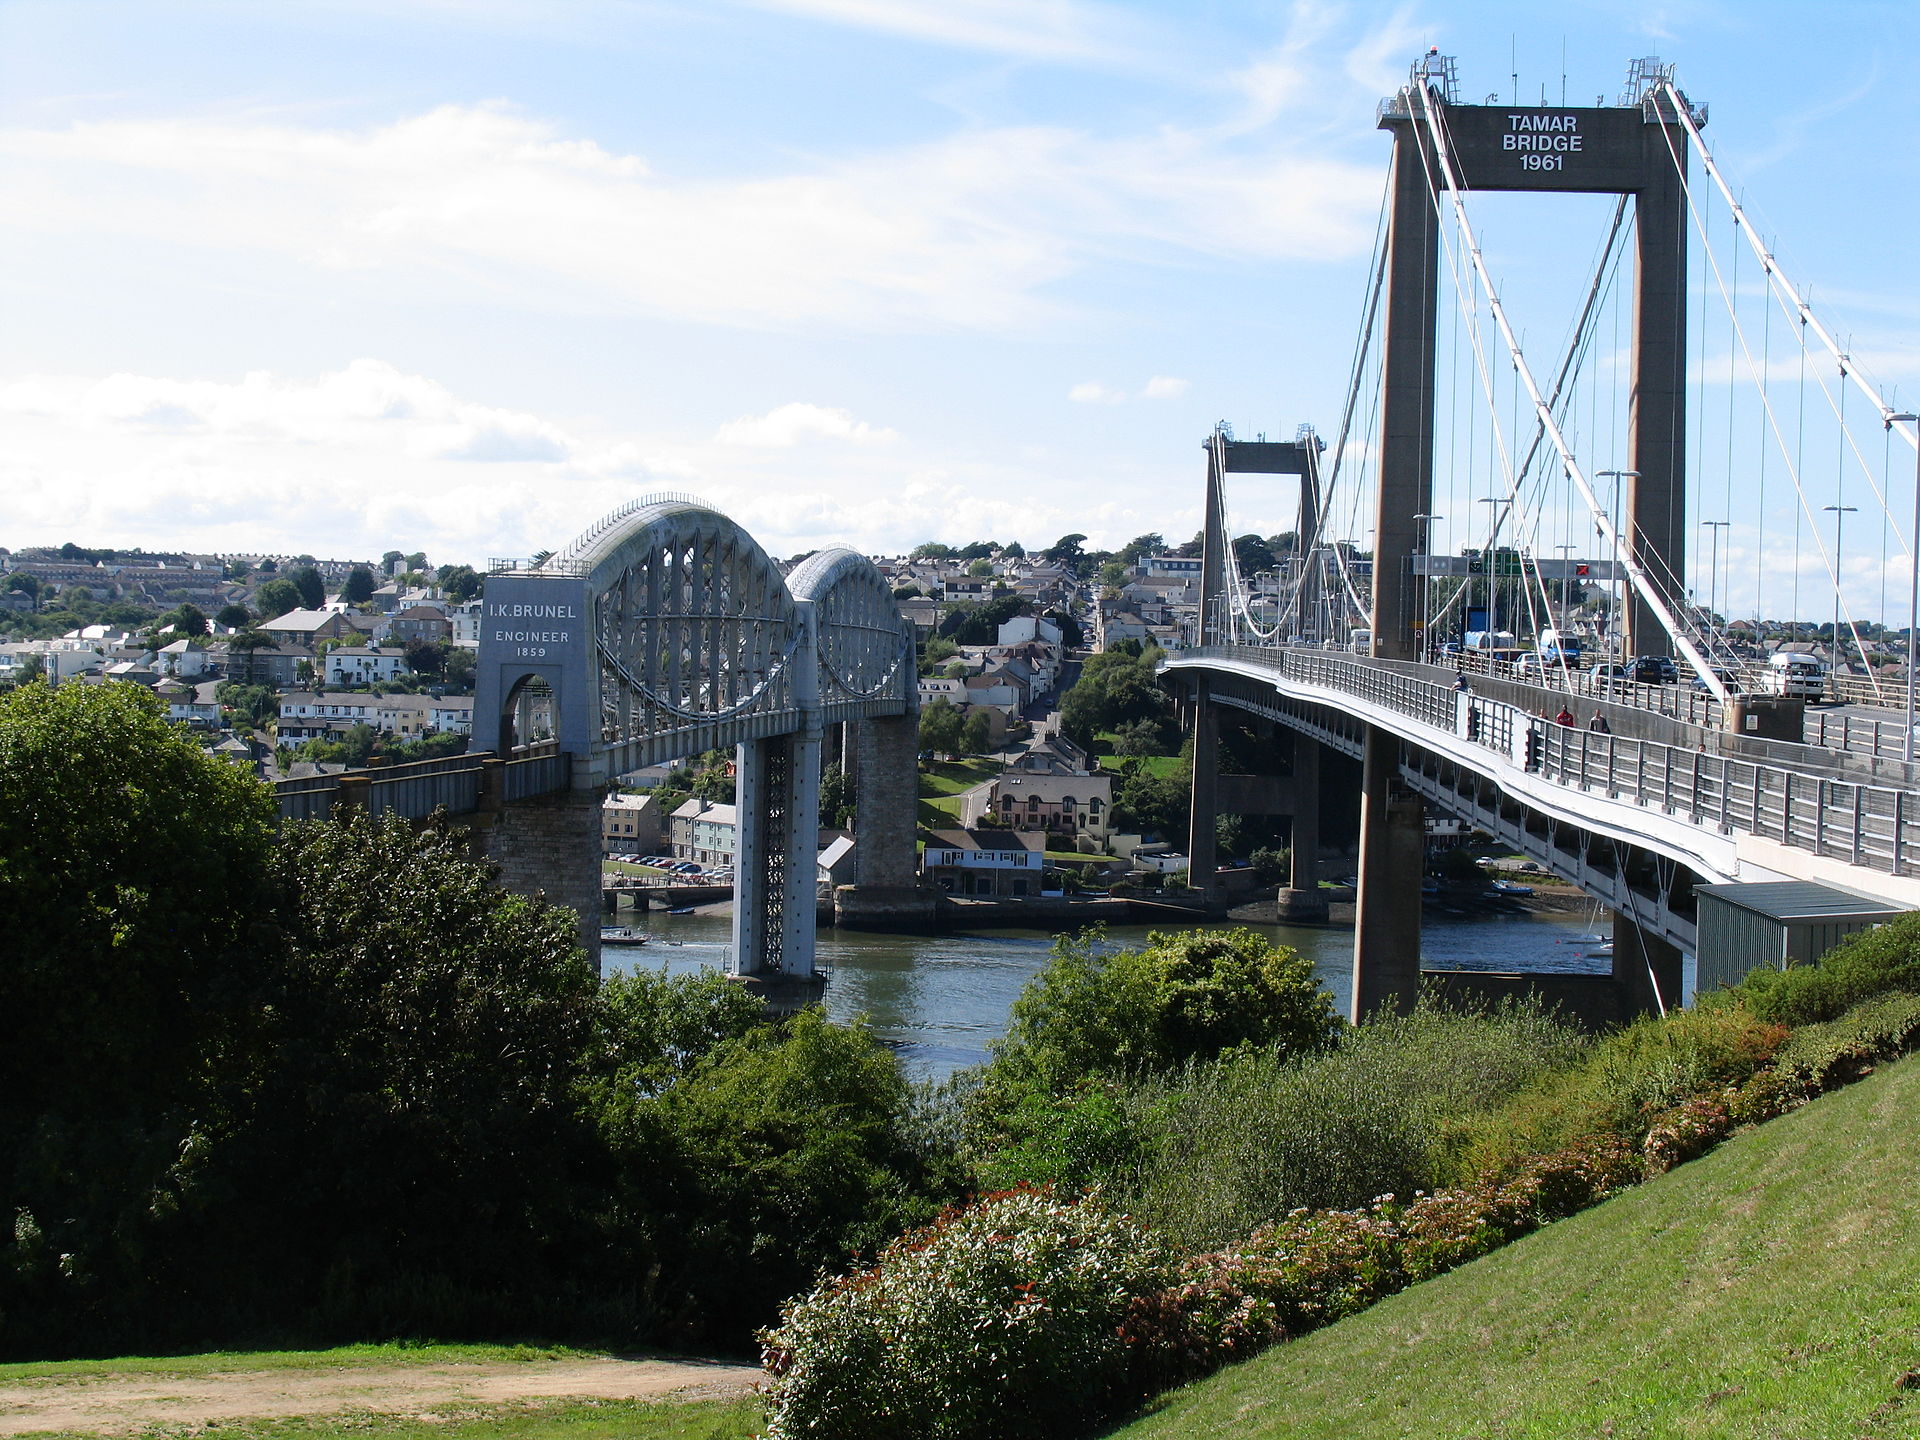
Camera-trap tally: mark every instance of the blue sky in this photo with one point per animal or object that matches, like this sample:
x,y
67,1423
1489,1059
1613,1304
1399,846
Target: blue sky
x,y
461,276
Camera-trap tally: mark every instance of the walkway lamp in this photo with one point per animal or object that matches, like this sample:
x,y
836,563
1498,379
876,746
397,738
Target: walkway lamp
x,y
1913,585
1840,513
1617,476
1713,566
1422,545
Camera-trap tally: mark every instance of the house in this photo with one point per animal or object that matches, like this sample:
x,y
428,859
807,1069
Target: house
x,y
323,716
1053,754
630,824
195,705
451,714
183,658
1070,805
1181,566
364,664
425,623
277,666
999,688
938,687
923,612
990,863
705,832
309,627
1023,629
835,865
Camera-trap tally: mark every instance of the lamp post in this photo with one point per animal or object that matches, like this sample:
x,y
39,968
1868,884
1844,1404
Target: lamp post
x,y
1840,513
1617,477
1421,546
1913,586
1713,566
1493,579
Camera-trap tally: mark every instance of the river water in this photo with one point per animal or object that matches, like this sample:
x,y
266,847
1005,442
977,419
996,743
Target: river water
x,y
940,1000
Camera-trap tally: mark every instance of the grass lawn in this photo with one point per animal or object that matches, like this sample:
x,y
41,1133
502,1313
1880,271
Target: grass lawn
x,y
621,867
950,777
341,1356
1769,1289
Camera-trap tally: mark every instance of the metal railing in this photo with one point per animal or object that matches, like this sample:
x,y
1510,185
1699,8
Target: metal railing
x,y
416,789
1876,827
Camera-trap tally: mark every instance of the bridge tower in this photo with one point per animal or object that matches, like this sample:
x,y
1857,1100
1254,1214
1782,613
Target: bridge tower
x,y
664,631
1637,148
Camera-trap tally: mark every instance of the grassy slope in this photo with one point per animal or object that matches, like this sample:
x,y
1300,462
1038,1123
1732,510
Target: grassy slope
x,y
1769,1289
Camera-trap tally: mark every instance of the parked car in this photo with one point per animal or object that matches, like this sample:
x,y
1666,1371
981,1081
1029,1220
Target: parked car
x,y
1653,670
1724,675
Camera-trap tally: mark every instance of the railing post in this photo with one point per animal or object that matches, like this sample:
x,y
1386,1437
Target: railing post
x,y
1899,830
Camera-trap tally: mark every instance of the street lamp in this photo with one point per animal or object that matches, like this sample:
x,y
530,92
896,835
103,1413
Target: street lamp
x,y
1913,588
1618,476
1421,546
1713,567
1493,580
1840,513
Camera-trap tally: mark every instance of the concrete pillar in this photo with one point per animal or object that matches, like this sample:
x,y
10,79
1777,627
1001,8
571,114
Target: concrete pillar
x,y
550,846
1386,932
1302,899
886,893
1406,402
1202,859
1646,968
1656,518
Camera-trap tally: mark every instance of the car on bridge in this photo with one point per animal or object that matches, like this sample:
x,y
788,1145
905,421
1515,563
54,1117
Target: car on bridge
x,y
1653,670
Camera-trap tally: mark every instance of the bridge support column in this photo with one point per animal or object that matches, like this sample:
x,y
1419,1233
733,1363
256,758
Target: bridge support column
x,y
1202,858
1646,968
550,846
886,893
1393,841
1302,898
777,801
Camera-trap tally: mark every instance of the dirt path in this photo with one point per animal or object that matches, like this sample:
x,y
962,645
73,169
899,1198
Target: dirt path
x,y
107,1404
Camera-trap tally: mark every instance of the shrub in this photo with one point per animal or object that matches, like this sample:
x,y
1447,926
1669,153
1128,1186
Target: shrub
x,y
1073,1141
1002,1319
1233,1145
1622,1084
1096,1010
1871,963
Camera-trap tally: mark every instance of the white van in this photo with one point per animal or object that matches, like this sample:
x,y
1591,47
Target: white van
x,y
1360,642
1790,673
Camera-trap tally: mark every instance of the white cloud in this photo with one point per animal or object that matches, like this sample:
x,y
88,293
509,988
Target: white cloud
x,y
366,458
483,202
1035,29
787,425
1160,387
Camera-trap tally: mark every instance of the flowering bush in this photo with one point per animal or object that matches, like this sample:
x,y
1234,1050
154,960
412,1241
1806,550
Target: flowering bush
x,y
1004,1318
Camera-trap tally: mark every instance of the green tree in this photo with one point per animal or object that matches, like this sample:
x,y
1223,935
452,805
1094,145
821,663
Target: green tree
x,y
359,587
427,657
837,798
311,588
390,561
976,734
940,727
234,616
459,583
276,597
417,560
254,705
1140,547
460,667
931,550
189,619
1189,995
132,874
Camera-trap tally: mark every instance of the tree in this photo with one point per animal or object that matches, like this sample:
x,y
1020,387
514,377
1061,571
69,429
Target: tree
x,y
1253,555
390,560
976,735
24,581
940,726
359,587
931,550
837,807
1071,633
1180,997
1064,551
417,560
1140,547
277,597
980,569
1014,550
427,657
459,667
235,616
132,875
906,592
1154,804
189,619
312,589
1140,737
459,583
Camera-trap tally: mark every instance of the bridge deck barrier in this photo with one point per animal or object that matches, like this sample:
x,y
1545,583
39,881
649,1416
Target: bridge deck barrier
x,y
419,787
1876,827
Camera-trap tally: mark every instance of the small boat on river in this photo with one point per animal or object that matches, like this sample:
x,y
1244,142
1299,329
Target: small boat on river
x,y
623,935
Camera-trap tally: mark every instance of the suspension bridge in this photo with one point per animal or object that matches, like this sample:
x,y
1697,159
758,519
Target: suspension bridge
x,y
1626,708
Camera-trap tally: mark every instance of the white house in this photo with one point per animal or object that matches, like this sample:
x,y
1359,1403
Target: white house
x,y
183,659
364,664
1024,628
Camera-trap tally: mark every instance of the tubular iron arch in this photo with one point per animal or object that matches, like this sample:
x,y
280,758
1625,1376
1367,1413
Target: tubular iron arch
x,y
864,645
